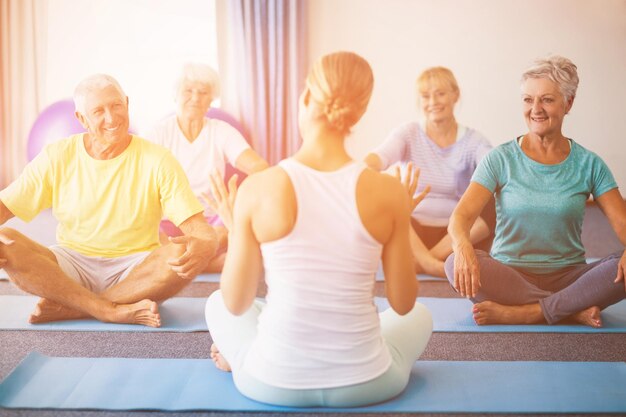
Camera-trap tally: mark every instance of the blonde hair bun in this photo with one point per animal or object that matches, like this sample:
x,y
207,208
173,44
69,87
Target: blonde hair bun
x,y
341,83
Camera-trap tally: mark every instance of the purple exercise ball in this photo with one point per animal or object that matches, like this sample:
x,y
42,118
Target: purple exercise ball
x,y
55,122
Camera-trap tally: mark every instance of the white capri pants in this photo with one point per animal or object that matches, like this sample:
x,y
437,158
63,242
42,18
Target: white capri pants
x,y
406,338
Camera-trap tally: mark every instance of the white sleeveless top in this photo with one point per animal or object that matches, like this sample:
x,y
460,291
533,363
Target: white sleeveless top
x,y
320,327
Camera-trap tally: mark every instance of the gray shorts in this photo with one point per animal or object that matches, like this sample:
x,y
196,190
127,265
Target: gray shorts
x,y
94,272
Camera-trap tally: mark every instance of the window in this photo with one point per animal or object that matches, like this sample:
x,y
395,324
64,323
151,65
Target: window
x,y
142,43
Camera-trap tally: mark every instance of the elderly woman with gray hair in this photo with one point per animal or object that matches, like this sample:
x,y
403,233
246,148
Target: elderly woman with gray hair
x,y
202,145
536,271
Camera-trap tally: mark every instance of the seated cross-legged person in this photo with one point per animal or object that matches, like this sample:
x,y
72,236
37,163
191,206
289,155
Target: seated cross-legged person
x,y
108,190
202,145
317,226
446,154
536,271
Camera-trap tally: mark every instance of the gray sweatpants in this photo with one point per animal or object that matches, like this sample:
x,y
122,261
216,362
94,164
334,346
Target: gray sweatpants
x,y
560,294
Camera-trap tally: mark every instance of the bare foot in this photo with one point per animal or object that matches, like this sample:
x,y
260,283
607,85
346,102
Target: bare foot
x,y
47,310
145,312
489,312
589,317
220,362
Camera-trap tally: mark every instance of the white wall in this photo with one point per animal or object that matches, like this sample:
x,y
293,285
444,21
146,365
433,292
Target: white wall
x,y
142,43
487,44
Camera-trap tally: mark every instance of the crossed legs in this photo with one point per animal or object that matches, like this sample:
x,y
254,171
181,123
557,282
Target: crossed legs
x,y
406,337
34,269
431,261
508,296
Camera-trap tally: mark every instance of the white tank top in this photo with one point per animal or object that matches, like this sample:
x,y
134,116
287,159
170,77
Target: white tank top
x,y
320,327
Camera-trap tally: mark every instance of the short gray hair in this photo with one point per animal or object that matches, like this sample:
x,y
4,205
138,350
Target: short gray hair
x,y
557,69
91,83
196,72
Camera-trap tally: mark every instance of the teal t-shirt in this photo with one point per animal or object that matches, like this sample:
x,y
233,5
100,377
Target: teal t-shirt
x,y
540,208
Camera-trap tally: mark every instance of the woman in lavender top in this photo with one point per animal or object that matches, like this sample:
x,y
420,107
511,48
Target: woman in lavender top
x,y
446,154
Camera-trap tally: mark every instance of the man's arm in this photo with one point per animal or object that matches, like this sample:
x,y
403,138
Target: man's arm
x,y
5,213
200,241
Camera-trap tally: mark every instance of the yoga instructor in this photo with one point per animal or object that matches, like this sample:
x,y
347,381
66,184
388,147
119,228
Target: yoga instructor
x,y
317,225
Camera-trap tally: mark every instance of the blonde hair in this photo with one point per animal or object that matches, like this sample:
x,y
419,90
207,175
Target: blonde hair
x,y
436,76
341,83
91,83
557,69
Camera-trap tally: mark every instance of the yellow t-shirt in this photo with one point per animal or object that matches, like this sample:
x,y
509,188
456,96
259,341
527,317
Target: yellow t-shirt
x,y
105,208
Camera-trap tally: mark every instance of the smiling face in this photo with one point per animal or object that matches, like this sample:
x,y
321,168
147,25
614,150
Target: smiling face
x,y
193,99
106,115
544,107
437,101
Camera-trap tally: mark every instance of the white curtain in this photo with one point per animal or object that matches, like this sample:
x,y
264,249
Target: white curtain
x,y
22,28
268,44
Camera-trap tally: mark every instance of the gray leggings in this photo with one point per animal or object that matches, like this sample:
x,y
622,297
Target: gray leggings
x,y
560,294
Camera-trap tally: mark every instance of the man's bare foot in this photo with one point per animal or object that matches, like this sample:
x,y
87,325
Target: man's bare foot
x,y
47,310
220,362
145,312
589,317
489,312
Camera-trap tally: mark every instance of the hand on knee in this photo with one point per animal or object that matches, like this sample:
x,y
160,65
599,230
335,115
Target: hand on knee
x,y
175,250
8,246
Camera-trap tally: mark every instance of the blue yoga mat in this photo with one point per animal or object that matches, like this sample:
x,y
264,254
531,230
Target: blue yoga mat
x,y
455,315
179,314
380,276
215,277
195,384
186,314
208,278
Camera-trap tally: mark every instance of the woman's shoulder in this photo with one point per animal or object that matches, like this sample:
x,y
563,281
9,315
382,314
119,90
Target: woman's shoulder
x,y
585,155
582,150
502,152
218,124
473,136
269,182
507,147
382,186
407,129
221,131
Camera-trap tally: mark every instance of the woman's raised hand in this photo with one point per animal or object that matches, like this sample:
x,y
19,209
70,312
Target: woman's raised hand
x,y
410,182
222,199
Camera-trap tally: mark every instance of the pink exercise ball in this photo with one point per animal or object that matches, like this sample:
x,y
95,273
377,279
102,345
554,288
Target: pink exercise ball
x,y
57,121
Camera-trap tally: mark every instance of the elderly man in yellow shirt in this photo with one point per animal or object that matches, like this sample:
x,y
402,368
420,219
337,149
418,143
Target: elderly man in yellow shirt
x,y
108,189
